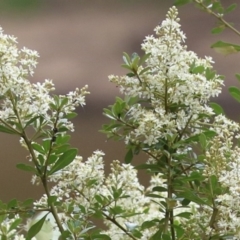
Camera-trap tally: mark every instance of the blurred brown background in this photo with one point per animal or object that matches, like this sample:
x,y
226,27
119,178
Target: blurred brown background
x,y
81,42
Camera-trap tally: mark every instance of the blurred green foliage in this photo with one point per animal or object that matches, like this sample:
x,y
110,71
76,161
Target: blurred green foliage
x,y
19,5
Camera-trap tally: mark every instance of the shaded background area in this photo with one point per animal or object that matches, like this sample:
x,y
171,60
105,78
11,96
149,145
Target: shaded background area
x,y
81,42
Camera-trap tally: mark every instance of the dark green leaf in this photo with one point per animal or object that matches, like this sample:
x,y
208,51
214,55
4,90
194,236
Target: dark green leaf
x,y
129,156
136,233
71,115
31,121
179,231
149,224
157,235
131,74
192,197
63,139
65,159
12,203
166,237
198,69
27,202
116,210
52,199
145,70
203,141
15,224
181,2
63,101
144,58
100,236
235,93
184,215
237,76
135,62
209,73
147,166
218,29
7,130
35,228
46,144
225,48
230,8
154,195
26,167
126,58
216,108
38,148
159,189
127,67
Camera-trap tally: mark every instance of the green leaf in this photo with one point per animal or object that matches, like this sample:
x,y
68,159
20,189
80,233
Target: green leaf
x,y
144,58
198,69
63,139
203,140
235,93
64,160
159,189
27,202
31,121
127,67
145,70
52,199
149,224
136,233
126,58
46,144
12,203
237,76
179,231
216,108
218,29
129,156
154,195
230,8
63,101
116,210
157,235
184,215
135,61
214,182
26,167
225,48
38,148
192,197
7,130
150,167
166,237
209,73
61,148
71,115
35,228
181,2
100,236
15,224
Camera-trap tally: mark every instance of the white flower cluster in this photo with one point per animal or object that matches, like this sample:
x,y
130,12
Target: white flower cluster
x,y
177,86
21,100
81,183
222,159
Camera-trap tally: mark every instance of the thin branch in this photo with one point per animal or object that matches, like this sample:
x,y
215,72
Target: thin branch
x,y
218,16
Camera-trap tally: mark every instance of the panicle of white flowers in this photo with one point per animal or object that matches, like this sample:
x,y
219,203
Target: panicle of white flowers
x,y
81,181
221,160
178,86
19,95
